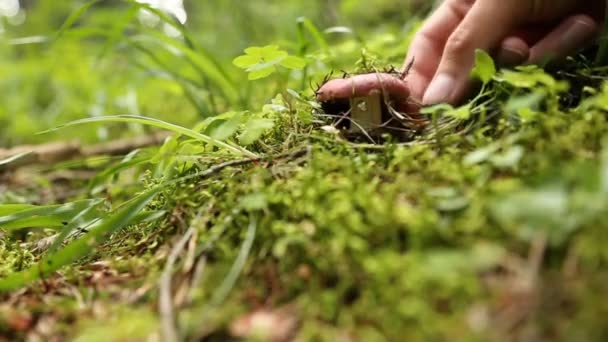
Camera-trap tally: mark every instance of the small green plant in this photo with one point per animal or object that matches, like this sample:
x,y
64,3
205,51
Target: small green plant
x,y
485,69
261,62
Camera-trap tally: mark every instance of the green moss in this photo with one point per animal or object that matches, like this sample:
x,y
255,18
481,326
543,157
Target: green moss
x,y
489,226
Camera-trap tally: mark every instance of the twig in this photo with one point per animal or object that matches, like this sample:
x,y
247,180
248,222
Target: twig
x,y
220,167
165,302
56,152
536,256
408,67
197,276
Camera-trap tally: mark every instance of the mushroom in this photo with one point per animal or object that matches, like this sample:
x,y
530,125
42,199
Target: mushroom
x,y
370,103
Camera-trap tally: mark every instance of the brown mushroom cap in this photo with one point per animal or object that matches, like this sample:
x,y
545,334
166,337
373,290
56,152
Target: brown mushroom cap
x,y
362,85
335,96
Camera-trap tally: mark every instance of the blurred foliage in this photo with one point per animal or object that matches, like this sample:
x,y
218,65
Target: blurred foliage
x,y
92,70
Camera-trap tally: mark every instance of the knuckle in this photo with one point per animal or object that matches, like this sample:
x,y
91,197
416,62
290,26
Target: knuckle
x,y
461,7
459,42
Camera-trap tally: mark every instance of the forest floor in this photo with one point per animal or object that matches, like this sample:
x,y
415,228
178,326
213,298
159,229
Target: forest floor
x,y
495,227
491,223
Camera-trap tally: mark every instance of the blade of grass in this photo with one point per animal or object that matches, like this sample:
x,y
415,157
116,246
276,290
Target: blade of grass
x,y
160,124
28,40
185,82
172,21
9,209
71,20
166,68
116,34
317,35
81,220
602,54
205,63
237,268
206,67
42,216
96,184
164,17
84,224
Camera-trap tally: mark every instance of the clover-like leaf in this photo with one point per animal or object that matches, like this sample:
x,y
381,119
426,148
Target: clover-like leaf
x,y
261,62
293,62
485,69
261,73
245,61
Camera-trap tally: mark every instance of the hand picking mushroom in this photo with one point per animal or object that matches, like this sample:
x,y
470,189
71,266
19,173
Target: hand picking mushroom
x,y
371,103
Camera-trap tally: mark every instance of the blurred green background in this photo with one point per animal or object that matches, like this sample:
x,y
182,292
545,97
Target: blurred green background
x,y
117,58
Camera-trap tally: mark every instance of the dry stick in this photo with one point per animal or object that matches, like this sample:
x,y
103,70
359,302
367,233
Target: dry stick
x,y
197,276
220,167
165,302
52,153
536,256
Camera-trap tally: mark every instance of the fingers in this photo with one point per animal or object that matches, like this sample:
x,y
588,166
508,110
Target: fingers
x,y
444,49
571,35
428,44
363,85
513,51
484,27
543,43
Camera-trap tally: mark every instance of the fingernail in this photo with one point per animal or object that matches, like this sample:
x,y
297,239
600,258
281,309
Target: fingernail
x,y
577,34
510,57
439,90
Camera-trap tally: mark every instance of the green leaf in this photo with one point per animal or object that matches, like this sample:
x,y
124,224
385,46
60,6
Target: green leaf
x,y
260,66
262,73
9,209
531,77
293,62
525,106
227,128
48,216
485,68
257,51
274,56
266,53
462,113
254,129
510,158
245,61
533,211
436,109
261,62
481,155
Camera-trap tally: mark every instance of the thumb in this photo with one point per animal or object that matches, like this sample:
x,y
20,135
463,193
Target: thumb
x,y
484,27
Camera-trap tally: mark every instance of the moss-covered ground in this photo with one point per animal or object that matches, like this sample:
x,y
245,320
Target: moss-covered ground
x,y
489,225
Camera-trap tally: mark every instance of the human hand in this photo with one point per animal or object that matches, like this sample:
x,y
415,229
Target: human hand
x,y
514,31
